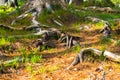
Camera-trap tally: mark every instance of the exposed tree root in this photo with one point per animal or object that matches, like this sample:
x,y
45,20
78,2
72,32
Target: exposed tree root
x,y
31,27
102,9
107,30
94,19
9,27
107,54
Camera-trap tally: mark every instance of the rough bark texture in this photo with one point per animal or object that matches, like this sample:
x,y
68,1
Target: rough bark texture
x,y
35,7
79,58
2,2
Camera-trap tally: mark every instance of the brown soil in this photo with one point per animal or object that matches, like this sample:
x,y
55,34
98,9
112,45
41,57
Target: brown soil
x,y
55,62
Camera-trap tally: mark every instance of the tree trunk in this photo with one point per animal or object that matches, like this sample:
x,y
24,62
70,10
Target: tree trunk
x,y
2,2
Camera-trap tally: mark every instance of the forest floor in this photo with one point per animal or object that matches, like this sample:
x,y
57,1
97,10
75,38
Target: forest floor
x,y
55,61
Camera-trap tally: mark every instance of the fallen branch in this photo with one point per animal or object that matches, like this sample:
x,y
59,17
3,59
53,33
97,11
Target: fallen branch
x,y
102,9
12,28
94,19
107,30
31,27
9,27
107,54
41,32
56,22
24,36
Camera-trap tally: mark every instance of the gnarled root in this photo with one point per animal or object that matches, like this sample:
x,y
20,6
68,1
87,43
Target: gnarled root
x,y
107,54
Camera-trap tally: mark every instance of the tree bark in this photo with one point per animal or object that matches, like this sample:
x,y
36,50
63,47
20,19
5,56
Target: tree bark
x,y
79,58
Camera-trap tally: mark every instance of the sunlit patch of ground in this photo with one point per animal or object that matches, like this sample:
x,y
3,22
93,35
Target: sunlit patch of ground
x,y
55,61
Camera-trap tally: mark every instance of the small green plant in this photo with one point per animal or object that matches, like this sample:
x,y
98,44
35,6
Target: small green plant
x,y
29,68
105,40
103,48
12,63
30,57
4,41
116,1
99,25
23,54
77,49
41,48
50,69
102,57
36,58
33,57
117,43
15,63
5,9
43,69
53,68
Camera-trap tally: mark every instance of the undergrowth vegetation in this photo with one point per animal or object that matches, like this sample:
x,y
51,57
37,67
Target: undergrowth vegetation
x,y
72,19
25,57
3,41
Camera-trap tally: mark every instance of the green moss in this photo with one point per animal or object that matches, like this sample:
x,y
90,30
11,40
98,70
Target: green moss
x,y
4,41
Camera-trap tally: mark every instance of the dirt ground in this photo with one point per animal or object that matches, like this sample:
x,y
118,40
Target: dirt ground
x,y
55,62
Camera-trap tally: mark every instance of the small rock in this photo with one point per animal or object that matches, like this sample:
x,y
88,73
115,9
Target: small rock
x,y
84,27
75,69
